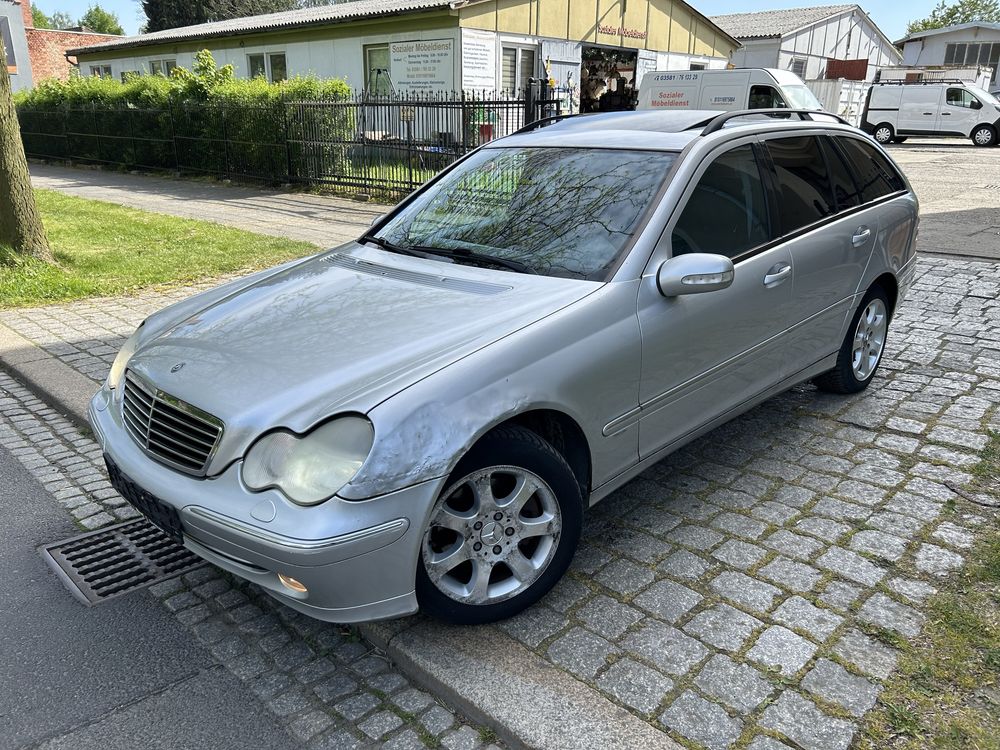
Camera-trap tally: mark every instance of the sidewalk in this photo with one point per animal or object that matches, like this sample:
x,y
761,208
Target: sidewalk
x,y
323,220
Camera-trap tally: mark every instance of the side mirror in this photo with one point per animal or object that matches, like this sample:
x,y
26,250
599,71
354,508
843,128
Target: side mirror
x,y
377,219
694,273
976,104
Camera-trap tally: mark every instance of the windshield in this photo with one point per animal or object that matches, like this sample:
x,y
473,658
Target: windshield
x,y
984,96
559,211
800,97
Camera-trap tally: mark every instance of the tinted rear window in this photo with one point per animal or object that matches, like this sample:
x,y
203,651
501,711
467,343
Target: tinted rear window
x,y
805,195
875,176
845,190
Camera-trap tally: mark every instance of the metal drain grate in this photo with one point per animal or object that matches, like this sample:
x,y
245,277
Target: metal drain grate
x,y
991,187
103,564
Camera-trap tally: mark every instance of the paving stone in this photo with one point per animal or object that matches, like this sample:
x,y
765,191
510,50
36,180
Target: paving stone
x,y
565,594
625,577
851,566
437,719
747,592
833,683
780,648
723,626
335,687
581,652
767,743
379,725
739,686
802,722
635,685
463,738
608,617
288,703
738,554
413,700
920,508
937,561
356,706
840,510
696,537
953,535
792,575
406,740
884,612
308,726
839,594
792,544
685,565
534,625
665,647
796,612
739,525
878,543
774,512
667,600
825,528
916,591
867,654
896,523
701,721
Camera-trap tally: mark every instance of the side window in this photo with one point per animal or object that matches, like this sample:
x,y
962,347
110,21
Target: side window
x,y
804,192
727,212
845,190
960,98
765,97
875,176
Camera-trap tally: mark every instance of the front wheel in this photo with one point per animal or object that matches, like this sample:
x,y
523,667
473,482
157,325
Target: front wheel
x,y
503,531
883,133
984,135
861,352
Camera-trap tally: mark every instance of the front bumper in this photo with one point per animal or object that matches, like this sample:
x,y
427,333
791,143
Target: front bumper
x,y
357,559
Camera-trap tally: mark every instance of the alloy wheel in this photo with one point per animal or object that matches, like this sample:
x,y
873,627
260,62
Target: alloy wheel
x,y
491,535
983,137
883,134
869,339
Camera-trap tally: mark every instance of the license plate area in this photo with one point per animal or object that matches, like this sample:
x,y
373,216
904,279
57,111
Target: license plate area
x,y
157,512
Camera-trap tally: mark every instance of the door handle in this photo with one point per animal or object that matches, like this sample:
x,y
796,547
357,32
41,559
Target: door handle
x,y
861,235
928,113
778,273
946,114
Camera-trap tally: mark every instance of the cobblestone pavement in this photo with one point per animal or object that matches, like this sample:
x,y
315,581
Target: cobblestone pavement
x,y
332,689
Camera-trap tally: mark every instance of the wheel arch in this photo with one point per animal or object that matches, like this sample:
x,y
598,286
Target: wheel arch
x,y
890,285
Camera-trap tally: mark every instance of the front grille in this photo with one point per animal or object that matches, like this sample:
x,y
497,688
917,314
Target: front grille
x,y
168,429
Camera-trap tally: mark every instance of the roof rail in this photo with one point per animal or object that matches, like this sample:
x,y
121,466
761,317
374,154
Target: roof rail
x,y
541,123
919,83
716,123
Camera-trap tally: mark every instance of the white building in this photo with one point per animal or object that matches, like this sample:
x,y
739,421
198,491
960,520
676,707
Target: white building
x,y
965,46
828,41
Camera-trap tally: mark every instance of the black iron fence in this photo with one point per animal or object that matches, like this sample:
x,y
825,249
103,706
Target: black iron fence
x,y
376,144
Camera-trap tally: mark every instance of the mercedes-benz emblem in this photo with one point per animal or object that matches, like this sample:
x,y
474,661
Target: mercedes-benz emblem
x,y
178,367
491,533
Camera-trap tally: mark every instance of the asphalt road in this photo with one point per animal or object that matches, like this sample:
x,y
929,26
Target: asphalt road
x,y
122,674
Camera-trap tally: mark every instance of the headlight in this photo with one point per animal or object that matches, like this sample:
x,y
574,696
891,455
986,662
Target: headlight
x,y
121,361
310,468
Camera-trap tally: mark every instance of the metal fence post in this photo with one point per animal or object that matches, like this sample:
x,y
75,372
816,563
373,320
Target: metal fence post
x,y
288,145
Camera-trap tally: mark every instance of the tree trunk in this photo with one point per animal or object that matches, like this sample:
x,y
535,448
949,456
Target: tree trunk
x,y
21,228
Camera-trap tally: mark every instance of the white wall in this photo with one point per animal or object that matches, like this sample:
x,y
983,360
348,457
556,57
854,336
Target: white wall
x,y
930,50
757,53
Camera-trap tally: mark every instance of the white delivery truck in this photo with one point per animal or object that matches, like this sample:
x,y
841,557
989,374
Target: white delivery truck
x,y
896,110
727,90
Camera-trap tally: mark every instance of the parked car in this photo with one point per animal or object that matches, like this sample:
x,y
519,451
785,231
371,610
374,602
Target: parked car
x,y
725,90
897,110
421,418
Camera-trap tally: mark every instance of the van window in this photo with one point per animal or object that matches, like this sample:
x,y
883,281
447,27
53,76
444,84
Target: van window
x,y
805,195
766,97
727,212
845,190
960,98
875,176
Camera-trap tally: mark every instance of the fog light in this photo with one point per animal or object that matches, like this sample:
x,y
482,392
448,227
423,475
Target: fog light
x,y
292,584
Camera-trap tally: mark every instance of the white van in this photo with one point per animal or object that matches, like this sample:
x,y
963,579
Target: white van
x,y
727,90
895,110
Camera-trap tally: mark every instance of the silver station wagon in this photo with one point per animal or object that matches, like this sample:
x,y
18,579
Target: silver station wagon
x,y
420,418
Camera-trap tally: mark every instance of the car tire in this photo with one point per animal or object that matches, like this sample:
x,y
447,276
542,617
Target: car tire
x,y
984,135
864,345
487,555
883,133
899,139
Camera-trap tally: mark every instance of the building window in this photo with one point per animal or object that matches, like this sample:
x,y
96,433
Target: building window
x,y
517,65
162,67
972,54
8,44
798,66
697,66
270,66
377,80
279,71
127,75
100,71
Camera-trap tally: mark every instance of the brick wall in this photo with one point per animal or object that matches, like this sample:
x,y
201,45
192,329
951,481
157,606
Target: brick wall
x,y
25,12
47,49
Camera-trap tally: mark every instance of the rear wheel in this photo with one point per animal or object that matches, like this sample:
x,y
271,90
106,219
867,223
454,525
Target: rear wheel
x,y
502,533
883,133
984,135
861,352
899,139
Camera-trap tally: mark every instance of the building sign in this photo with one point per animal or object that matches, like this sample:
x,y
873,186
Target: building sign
x,y
622,31
479,60
422,66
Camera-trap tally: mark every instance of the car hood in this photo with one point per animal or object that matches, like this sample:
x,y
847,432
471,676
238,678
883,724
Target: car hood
x,y
340,332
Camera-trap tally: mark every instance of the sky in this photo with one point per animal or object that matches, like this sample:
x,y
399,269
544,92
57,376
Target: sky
x,y
890,15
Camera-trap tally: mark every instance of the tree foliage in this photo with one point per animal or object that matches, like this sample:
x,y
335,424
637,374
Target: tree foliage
x,y
961,11
38,18
61,20
100,20
171,14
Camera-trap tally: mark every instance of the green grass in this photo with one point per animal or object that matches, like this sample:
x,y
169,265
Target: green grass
x,y
946,693
102,249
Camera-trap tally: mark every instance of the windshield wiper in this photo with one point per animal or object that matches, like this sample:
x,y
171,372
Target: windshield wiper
x,y
390,246
463,253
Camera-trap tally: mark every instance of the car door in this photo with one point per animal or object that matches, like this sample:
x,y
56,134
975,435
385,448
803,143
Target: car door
x,y
960,114
830,238
704,354
918,109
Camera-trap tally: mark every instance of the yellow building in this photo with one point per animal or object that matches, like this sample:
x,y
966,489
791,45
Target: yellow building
x,y
441,45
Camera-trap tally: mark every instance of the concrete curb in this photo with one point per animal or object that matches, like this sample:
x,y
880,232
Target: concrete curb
x,y
484,673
